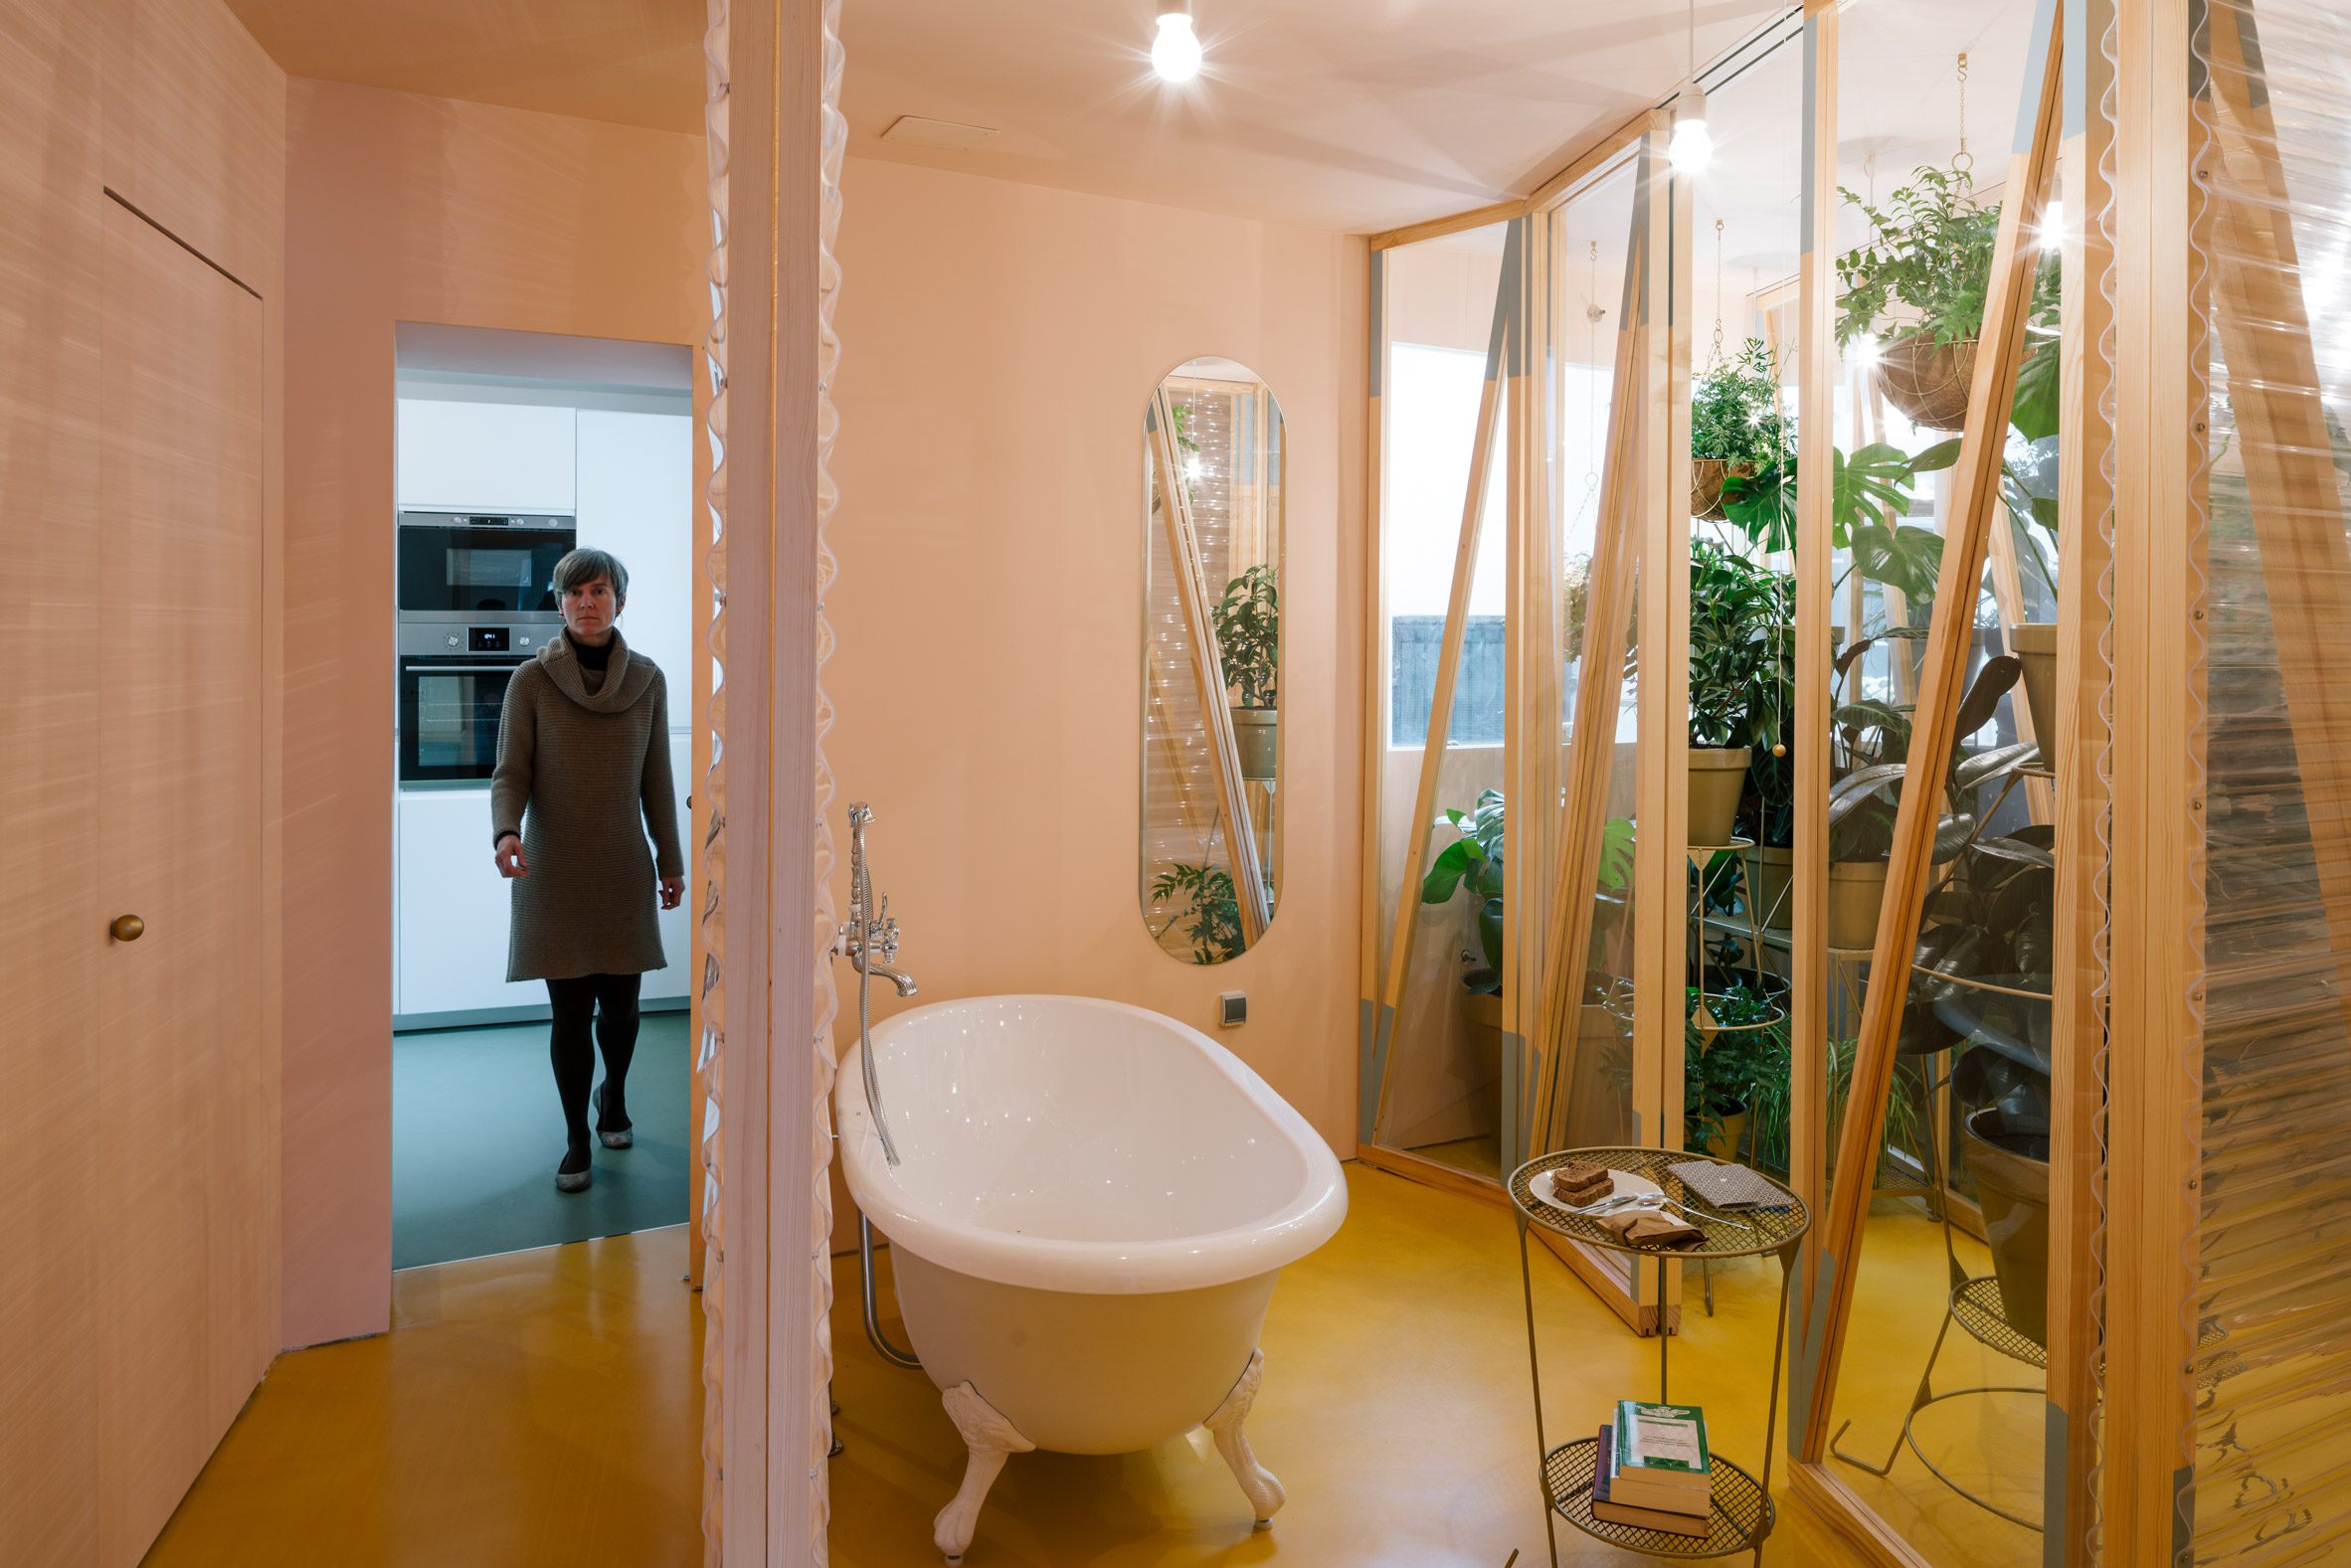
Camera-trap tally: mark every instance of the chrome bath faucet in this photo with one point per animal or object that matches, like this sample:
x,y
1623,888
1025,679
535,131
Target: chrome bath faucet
x,y
868,938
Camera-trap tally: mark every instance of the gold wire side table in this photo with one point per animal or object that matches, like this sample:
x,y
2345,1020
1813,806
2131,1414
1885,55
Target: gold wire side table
x,y
1742,1514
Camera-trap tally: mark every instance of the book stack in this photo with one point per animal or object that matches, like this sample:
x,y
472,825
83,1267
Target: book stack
x,y
1653,1470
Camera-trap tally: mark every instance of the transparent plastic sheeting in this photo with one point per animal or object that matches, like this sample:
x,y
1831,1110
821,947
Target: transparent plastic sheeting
x,y
2271,1294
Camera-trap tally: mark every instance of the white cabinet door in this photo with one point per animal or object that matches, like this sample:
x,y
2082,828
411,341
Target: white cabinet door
x,y
636,500
453,908
486,457
677,930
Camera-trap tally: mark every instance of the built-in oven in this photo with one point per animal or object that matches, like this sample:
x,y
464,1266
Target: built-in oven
x,y
480,567
453,686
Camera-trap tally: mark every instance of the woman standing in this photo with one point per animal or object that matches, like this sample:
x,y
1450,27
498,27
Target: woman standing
x,y
583,773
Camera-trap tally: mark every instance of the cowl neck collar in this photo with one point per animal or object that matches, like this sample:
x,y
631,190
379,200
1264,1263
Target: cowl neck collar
x,y
625,679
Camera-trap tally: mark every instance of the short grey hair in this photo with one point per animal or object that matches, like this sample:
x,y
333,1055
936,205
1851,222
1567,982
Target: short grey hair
x,y
579,567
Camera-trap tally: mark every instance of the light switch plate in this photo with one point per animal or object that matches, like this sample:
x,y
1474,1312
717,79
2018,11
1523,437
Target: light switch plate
x,y
1232,1010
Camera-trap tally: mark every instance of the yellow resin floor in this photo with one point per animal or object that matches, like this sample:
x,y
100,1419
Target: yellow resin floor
x,y
543,1408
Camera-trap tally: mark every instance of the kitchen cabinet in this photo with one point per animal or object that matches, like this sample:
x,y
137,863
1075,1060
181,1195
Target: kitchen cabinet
x,y
636,499
452,907
485,456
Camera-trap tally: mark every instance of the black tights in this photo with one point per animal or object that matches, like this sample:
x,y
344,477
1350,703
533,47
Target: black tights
x,y
612,1000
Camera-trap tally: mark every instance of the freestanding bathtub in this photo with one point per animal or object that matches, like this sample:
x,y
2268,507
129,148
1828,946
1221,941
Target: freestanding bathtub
x,y
1091,1206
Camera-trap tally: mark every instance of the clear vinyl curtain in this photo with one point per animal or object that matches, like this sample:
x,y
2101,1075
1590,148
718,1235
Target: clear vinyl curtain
x,y
2270,1298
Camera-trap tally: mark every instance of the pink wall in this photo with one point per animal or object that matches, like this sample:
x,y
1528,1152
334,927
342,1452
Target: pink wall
x,y
404,208
999,343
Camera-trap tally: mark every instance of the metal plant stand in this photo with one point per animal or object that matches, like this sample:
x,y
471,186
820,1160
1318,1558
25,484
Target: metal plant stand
x,y
1742,1514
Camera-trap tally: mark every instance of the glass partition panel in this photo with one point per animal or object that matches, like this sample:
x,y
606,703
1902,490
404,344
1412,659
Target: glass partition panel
x,y
1938,1420
1442,831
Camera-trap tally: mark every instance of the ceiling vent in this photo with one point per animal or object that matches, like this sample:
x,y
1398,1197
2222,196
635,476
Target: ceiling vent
x,y
915,131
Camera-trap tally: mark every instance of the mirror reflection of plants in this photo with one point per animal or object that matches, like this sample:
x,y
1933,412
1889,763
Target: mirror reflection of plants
x,y
1204,895
1735,411
1249,636
1722,1067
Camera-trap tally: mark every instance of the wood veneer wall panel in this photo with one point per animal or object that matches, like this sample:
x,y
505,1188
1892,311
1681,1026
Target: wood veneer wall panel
x,y
195,131
185,1157
51,933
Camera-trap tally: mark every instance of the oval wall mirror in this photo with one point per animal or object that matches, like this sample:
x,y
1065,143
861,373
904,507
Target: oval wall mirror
x,y
1211,660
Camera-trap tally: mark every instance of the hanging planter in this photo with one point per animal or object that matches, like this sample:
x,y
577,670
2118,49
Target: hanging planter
x,y
1706,476
1255,733
2034,645
1928,381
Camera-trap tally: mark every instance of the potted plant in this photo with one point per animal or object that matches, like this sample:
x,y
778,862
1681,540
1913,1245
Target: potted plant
x,y
1736,425
1723,1065
1917,288
1204,895
1249,639
1739,614
1471,866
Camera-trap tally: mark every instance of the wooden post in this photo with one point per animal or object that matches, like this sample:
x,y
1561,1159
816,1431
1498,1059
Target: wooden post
x,y
1440,716
1193,594
2080,801
1370,1064
1975,497
1816,435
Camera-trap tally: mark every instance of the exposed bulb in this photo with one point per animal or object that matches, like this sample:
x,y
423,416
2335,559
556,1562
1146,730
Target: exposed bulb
x,y
1693,146
2053,226
1867,350
1176,53
1192,467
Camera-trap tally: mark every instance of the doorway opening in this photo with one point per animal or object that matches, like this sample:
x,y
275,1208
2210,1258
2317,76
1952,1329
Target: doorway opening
x,y
512,449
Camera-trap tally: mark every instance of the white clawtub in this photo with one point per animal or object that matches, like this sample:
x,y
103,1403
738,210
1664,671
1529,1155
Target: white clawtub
x,y
1091,1206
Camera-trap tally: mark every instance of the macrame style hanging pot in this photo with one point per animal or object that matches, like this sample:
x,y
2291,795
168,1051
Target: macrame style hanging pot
x,y
1930,381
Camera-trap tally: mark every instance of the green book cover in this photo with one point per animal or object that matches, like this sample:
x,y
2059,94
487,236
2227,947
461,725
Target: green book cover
x,y
1667,1442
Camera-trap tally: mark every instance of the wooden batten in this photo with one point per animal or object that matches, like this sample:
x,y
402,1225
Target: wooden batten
x,y
1367,1064
1975,501
1458,223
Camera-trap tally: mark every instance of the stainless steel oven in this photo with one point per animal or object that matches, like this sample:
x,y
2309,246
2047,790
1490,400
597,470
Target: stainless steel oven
x,y
479,568
453,686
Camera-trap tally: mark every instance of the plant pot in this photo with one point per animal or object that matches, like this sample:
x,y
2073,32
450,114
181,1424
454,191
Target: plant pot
x,y
1731,1133
1254,732
1857,888
2035,646
1770,874
2008,1156
1482,1013
1718,777
1928,381
1706,484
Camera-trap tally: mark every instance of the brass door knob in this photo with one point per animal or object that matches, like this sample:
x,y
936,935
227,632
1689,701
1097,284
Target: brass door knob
x,y
127,927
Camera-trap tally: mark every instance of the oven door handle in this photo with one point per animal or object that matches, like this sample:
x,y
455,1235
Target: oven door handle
x,y
461,669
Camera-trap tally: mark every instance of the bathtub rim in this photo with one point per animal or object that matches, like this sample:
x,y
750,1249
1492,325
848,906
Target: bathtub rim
x,y
1292,1228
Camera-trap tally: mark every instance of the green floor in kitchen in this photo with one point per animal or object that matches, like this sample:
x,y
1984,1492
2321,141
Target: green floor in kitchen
x,y
477,1134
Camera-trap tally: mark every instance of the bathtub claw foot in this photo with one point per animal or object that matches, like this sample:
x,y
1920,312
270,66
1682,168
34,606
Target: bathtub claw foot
x,y
990,1440
1257,1483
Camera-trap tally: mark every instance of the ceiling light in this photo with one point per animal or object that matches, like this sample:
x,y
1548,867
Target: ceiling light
x,y
1867,350
2053,226
1176,53
1692,148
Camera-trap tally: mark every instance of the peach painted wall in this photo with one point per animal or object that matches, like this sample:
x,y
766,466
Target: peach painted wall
x,y
998,344
404,208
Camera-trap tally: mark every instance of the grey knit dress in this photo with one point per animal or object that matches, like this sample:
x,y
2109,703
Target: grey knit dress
x,y
582,774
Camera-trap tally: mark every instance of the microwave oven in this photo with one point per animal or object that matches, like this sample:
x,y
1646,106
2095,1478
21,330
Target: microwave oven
x,y
480,567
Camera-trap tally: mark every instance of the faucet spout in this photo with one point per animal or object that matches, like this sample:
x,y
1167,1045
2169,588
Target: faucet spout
x,y
897,977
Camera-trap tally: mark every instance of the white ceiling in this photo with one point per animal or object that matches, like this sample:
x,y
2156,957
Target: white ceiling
x,y
1350,114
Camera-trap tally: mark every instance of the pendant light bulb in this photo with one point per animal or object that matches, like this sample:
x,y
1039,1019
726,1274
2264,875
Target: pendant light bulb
x,y
1176,53
1693,146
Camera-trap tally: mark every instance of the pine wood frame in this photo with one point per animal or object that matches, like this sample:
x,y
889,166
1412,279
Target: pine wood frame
x,y
1208,667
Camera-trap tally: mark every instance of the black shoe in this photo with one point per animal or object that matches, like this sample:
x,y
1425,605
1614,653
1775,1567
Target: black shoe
x,y
611,1137
574,1174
